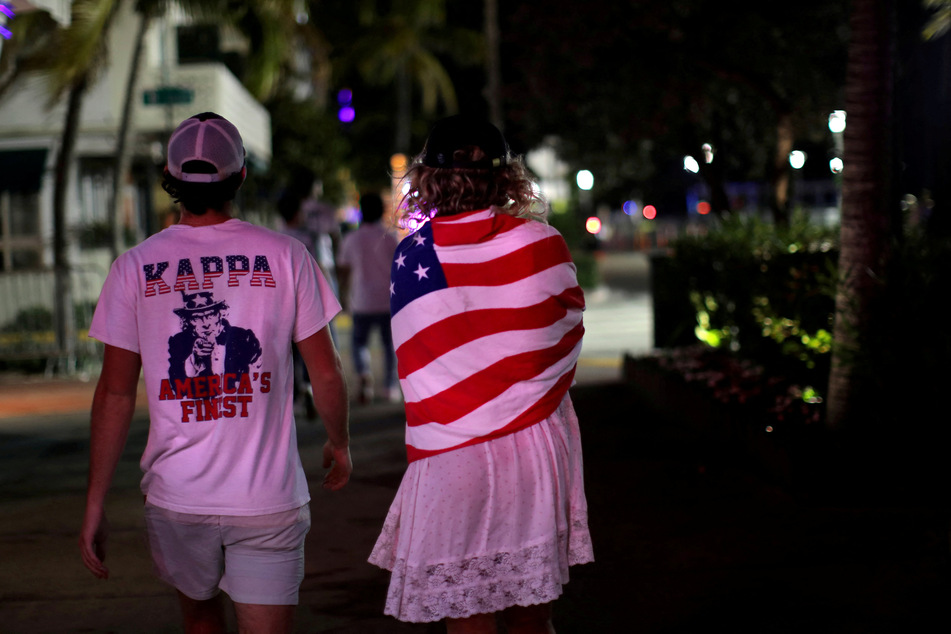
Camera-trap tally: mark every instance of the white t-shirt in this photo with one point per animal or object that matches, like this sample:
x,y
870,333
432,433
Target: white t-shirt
x,y
368,252
212,311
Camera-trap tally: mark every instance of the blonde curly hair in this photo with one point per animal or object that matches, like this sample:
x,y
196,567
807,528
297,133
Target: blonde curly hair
x,y
440,191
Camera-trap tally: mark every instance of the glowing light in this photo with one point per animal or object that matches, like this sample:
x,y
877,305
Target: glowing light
x,y
346,113
593,225
836,165
650,212
707,152
769,428
691,165
703,208
585,180
629,207
398,162
797,159
837,121
7,11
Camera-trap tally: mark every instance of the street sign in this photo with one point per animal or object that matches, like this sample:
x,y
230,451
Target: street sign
x,y
167,95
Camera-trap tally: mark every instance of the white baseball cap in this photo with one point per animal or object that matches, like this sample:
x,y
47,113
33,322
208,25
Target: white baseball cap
x,y
205,148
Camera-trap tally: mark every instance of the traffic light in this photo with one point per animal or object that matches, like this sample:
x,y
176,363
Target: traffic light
x,y
345,112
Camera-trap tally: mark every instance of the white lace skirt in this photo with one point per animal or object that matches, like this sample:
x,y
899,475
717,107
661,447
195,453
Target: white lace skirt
x,y
490,526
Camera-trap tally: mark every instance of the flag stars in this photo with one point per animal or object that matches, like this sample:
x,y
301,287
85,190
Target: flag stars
x,y
401,261
392,289
421,272
419,239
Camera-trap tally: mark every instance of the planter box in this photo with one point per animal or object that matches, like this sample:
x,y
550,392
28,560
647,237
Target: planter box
x,y
791,455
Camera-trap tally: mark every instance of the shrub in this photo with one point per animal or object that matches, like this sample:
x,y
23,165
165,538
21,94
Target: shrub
x,y
764,292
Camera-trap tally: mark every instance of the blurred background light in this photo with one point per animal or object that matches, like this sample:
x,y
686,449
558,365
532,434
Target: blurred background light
x,y
691,165
346,113
8,12
703,208
629,207
707,152
837,121
398,163
593,225
585,180
836,165
650,212
797,159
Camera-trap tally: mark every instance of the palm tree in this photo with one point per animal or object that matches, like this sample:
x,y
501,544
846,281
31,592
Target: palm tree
x,y
940,20
493,64
28,49
271,28
866,204
146,10
82,54
399,48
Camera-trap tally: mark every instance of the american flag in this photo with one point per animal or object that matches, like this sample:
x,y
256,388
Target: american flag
x,y
487,328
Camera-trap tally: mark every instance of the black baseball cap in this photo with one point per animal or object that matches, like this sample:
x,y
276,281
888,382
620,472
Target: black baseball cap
x,y
459,132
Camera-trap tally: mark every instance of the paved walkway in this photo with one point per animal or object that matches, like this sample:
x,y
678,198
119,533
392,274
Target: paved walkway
x,y
686,540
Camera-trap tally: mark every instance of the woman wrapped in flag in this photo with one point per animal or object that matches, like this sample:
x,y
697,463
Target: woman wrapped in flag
x,y
486,318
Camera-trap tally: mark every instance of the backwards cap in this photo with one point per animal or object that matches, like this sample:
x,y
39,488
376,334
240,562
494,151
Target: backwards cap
x,y
206,148
460,132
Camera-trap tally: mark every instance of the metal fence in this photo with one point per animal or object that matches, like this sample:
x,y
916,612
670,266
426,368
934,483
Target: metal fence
x,y
27,318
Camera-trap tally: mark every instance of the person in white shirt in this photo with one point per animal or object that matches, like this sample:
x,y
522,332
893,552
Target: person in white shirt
x,y
226,497
363,269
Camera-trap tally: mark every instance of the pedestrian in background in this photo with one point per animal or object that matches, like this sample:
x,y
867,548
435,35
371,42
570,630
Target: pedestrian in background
x,y
486,317
226,498
363,270
290,208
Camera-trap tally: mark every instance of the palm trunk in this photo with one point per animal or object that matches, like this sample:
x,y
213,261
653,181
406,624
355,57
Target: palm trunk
x,y
779,182
866,203
404,110
493,88
63,300
123,157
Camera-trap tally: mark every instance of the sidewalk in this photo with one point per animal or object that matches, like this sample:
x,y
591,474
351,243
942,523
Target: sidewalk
x,y
685,541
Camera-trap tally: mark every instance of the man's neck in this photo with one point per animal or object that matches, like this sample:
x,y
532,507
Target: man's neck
x,y
210,217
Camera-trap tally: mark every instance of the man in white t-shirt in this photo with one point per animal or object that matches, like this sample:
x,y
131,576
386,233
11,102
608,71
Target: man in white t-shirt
x,y
363,268
207,309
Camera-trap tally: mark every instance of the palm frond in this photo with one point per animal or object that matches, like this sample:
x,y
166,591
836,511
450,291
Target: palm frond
x,y
81,47
940,21
435,83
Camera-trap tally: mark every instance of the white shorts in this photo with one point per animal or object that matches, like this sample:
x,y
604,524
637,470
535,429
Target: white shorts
x,y
257,559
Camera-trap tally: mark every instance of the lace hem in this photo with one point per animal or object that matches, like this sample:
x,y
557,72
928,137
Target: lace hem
x,y
483,584
580,549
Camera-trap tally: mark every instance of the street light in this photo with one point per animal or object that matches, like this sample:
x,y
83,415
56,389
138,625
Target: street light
x,y
585,180
837,127
691,165
837,121
797,158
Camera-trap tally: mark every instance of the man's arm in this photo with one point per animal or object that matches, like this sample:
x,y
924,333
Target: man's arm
x,y
112,409
330,397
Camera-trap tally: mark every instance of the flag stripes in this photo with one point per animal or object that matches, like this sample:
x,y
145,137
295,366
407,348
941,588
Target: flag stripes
x,y
487,328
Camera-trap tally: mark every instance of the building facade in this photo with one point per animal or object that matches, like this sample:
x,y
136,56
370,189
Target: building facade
x,y
184,70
